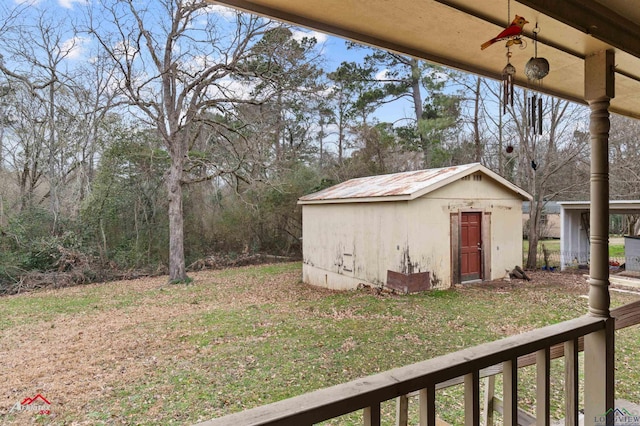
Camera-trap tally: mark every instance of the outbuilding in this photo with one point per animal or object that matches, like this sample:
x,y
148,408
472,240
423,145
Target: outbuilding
x,y
413,231
575,235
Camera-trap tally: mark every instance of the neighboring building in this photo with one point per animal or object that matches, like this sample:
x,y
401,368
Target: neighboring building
x,y
575,245
549,221
414,230
632,253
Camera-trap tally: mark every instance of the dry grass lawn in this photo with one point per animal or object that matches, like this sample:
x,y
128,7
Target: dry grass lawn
x,y
140,352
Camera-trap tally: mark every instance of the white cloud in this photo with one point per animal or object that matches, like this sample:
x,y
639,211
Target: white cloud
x,y
439,76
382,75
68,4
300,34
328,91
232,88
197,63
74,47
223,11
124,50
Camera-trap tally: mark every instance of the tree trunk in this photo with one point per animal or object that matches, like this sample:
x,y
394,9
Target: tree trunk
x,y
53,178
415,89
279,130
2,120
532,255
500,151
320,143
177,270
340,139
476,123
418,110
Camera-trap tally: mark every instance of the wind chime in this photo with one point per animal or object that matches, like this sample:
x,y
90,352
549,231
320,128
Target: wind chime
x,y
513,36
508,75
535,70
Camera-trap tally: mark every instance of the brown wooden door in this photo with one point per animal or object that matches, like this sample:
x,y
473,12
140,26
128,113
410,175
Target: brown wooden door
x,y
470,246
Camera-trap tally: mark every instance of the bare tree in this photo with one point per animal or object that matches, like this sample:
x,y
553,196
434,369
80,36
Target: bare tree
x,y
27,156
624,154
175,60
90,110
7,25
544,158
36,49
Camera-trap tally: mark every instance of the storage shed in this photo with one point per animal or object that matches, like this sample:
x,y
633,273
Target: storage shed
x,y
413,231
632,253
575,220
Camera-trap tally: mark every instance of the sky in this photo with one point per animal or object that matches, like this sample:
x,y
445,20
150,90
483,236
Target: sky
x,y
333,49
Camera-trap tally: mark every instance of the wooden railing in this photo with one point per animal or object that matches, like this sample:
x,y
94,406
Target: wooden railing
x,y
467,366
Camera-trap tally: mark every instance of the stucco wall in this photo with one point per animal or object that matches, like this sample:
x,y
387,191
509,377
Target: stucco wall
x,y
486,196
351,243
345,244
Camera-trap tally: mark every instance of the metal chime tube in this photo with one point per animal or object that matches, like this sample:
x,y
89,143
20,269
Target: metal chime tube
x,y
533,114
507,90
540,116
505,94
511,87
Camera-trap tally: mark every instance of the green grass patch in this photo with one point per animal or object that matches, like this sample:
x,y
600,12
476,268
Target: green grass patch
x,y
245,337
553,248
615,250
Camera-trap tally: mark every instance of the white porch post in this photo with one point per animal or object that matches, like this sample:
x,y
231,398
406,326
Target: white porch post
x,y
599,349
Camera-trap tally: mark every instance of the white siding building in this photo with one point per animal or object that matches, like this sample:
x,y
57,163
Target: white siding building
x,y
413,231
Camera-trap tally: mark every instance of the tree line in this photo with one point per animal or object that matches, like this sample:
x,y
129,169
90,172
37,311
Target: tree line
x,y
145,137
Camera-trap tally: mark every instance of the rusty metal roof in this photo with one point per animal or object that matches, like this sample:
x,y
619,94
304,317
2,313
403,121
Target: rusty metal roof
x,y
400,186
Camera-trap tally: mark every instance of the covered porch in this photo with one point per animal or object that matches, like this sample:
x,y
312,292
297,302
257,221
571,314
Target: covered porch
x,y
593,48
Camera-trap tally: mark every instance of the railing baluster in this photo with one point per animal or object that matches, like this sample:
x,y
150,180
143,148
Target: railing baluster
x,y
465,367
402,410
599,382
372,415
571,351
428,406
472,399
510,391
489,392
543,361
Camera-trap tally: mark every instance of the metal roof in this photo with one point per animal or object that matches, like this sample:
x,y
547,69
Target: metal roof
x,y
615,206
402,186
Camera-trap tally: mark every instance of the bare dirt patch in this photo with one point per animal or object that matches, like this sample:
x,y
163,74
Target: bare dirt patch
x,y
75,359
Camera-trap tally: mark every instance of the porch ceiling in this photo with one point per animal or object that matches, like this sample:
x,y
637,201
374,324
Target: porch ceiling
x,y
450,32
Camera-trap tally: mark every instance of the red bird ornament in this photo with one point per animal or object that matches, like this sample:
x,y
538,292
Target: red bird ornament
x,y
511,33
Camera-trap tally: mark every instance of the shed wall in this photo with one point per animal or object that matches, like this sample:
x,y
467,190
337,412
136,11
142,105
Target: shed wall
x,y
346,244
351,243
502,212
